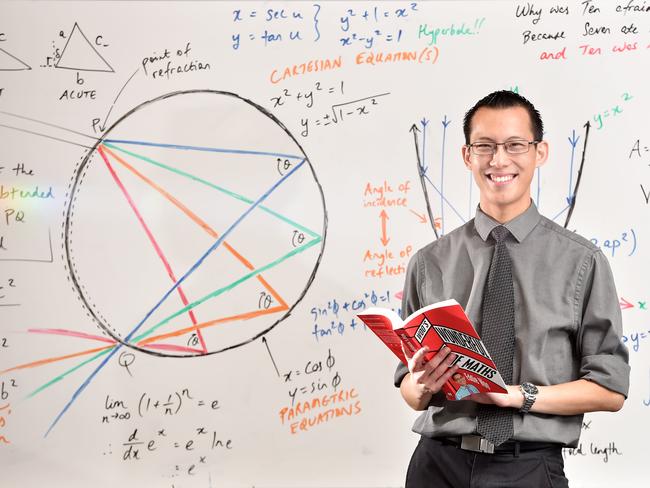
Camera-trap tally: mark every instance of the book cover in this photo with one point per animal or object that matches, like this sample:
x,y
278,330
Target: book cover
x,y
441,324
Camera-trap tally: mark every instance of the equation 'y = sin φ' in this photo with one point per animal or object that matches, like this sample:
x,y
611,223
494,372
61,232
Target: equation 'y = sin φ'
x,y
339,106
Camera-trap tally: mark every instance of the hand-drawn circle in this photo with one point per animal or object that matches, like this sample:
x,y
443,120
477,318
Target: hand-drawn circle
x,y
73,231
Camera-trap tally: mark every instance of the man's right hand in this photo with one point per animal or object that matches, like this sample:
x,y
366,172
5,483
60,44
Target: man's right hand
x,y
426,377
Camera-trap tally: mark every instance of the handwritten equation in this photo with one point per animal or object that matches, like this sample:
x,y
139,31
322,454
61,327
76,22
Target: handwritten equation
x,y
624,243
147,405
338,316
314,377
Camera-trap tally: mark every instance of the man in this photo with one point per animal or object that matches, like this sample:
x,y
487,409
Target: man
x,y
464,389
560,322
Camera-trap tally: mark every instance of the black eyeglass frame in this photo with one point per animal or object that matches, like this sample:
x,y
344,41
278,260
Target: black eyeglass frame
x,y
504,144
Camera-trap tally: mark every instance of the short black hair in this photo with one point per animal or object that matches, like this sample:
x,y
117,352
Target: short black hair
x,y
505,99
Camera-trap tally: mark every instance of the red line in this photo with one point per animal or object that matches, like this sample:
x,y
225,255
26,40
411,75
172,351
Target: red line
x,y
152,239
172,347
196,219
72,333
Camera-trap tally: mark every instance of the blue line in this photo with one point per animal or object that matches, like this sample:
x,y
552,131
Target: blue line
x,y
442,177
573,150
564,210
171,290
424,147
446,201
200,148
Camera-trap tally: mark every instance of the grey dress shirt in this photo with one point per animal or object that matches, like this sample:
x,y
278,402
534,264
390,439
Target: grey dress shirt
x,y
567,315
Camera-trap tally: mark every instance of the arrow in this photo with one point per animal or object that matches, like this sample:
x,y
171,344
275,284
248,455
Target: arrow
x,y
102,126
573,197
625,304
445,123
384,218
415,131
422,218
271,355
424,123
573,140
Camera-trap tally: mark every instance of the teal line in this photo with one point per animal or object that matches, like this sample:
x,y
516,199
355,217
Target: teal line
x,y
180,312
212,185
61,376
226,288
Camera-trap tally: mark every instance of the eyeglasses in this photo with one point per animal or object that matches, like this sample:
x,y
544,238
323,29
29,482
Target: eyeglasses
x,y
490,148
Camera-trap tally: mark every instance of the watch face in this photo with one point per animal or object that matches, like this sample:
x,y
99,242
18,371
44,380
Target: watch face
x,y
529,388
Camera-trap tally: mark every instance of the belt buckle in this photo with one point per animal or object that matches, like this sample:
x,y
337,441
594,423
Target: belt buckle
x,y
476,443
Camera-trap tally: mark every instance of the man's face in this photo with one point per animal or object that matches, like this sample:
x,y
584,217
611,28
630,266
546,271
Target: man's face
x,y
503,179
460,379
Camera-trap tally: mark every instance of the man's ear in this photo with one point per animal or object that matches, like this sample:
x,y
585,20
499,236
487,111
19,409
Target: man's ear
x,y
541,153
466,154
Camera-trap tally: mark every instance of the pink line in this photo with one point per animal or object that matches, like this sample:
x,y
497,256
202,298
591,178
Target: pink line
x,y
159,251
72,333
171,347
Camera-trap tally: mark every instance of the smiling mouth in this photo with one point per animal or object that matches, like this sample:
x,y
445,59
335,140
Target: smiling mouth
x,y
501,179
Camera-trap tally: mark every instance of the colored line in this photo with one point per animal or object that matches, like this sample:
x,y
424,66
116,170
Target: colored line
x,y
228,287
216,187
152,239
444,199
210,323
66,373
424,144
442,177
573,151
171,290
201,148
561,212
72,333
42,362
196,219
172,347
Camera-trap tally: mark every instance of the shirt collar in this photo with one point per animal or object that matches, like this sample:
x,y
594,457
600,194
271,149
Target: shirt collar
x,y
519,227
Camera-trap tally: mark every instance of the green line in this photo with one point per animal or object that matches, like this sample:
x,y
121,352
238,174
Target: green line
x,y
180,312
225,289
212,185
60,377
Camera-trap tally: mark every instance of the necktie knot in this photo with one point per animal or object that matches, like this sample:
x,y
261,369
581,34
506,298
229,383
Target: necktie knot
x,y
499,233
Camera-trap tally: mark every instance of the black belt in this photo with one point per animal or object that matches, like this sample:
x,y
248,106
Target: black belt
x,y
475,443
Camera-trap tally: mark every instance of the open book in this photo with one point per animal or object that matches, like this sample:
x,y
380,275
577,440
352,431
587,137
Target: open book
x,y
441,324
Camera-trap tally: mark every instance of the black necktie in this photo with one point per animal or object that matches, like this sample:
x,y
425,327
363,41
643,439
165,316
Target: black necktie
x,y
498,334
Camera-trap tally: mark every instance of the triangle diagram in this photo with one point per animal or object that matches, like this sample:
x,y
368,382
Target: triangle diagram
x,y
79,54
8,62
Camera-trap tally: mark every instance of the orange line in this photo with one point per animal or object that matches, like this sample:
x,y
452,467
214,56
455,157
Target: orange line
x,y
243,316
42,362
273,292
205,226
149,234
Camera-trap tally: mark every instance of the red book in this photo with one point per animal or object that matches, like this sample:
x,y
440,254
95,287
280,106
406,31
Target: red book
x,y
441,324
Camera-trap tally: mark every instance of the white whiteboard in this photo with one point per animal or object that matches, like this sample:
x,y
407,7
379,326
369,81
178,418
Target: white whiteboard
x,y
197,197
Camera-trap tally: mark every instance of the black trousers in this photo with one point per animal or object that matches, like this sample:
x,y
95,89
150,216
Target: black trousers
x,y
438,464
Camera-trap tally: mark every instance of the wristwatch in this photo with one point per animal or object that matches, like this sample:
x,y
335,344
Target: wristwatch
x,y
530,395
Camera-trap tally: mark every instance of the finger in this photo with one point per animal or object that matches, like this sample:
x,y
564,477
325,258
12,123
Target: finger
x,y
443,378
407,352
439,358
443,366
418,360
